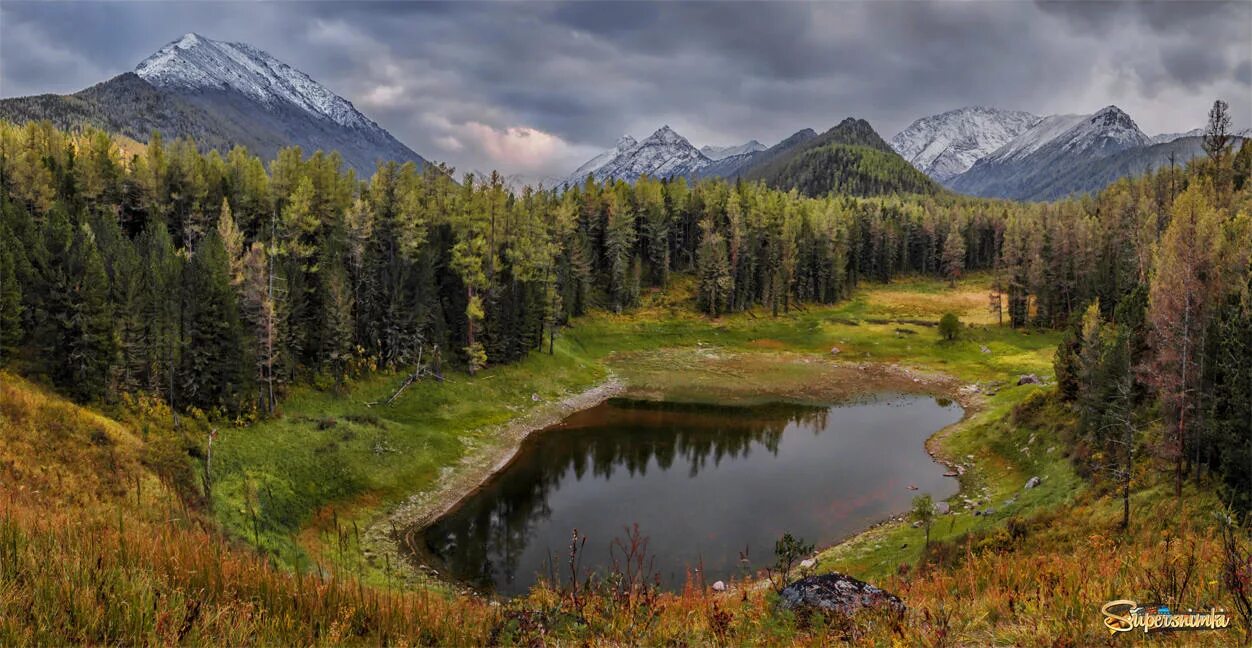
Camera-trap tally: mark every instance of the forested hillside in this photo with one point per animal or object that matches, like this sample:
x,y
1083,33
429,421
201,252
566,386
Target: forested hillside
x,y
214,282
849,159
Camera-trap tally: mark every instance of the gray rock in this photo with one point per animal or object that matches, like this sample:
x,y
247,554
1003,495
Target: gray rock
x,y
1029,379
989,511
719,586
837,594
1032,482
942,508
834,350
808,563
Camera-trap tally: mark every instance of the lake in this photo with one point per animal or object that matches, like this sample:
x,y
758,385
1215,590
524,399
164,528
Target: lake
x,y
707,485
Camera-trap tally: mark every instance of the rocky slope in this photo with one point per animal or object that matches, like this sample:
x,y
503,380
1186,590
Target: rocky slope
x,y
945,145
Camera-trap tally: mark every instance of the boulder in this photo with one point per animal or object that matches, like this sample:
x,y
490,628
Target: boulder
x,y
719,586
808,563
837,594
834,350
1029,379
942,508
984,349
1032,482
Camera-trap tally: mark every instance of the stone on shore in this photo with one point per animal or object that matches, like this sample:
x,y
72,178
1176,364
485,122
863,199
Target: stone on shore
x,y
836,593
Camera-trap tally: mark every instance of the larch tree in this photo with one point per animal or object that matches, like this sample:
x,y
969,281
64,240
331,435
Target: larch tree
x,y
1185,281
954,256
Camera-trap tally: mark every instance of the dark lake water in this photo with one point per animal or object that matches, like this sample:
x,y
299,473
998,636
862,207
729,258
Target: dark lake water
x,y
703,483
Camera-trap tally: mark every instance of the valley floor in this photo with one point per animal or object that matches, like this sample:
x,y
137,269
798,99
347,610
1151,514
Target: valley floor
x,y
327,488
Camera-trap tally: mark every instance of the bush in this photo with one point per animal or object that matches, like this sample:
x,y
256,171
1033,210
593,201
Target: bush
x,y
949,327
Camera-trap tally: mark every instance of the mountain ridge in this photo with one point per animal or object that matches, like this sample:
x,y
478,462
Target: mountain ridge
x,y
1031,164
222,95
949,143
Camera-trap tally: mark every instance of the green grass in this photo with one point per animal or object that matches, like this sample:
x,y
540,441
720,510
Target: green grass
x,y
310,480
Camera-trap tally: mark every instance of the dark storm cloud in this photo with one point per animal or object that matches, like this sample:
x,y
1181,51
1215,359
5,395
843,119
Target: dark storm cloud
x,y
537,88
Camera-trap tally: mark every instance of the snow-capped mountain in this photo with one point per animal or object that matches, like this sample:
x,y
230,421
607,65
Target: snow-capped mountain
x,y
222,95
1169,137
947,144
722,152
248,87
624,143
1195,132
664,154
1034,164
195,63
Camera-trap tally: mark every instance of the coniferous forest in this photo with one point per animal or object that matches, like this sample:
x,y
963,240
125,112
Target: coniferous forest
x,y
214,282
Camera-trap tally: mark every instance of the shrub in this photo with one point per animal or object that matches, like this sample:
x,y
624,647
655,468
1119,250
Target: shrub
x,y
949,327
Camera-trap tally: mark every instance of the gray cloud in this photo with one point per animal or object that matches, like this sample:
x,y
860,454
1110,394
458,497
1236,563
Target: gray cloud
x,y
536,88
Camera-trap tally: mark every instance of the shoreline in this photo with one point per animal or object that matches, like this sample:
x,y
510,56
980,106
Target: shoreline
x,y
457,483
390,535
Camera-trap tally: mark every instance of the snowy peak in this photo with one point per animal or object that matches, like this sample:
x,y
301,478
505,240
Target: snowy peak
x,y
1108,131
1058,156
625,143
662,154
194,63
722,152
945,145
665,136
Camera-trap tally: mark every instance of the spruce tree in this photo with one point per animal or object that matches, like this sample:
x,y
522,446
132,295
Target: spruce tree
x,y
214,363
88,346
10,297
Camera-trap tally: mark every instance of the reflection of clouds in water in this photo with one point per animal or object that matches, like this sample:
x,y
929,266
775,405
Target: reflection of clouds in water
x,y
627,460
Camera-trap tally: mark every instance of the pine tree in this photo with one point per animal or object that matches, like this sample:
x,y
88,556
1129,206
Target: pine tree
x,y
161,302
87,346
214,365
1229,408
713,266
10,297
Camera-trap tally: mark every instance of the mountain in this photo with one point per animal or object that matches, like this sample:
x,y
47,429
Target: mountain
x,y
720,152
1094,175
663,154
947,144
1035,164
850,158
735,166
1169,137
625,143
222,94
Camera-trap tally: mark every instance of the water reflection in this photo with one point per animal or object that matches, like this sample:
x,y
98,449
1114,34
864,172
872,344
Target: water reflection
x,y
704,483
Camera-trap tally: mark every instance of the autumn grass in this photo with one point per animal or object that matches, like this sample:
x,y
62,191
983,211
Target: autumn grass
x,y
95,548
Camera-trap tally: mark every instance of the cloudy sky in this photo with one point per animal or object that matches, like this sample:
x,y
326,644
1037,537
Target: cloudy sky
x,y
536,89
